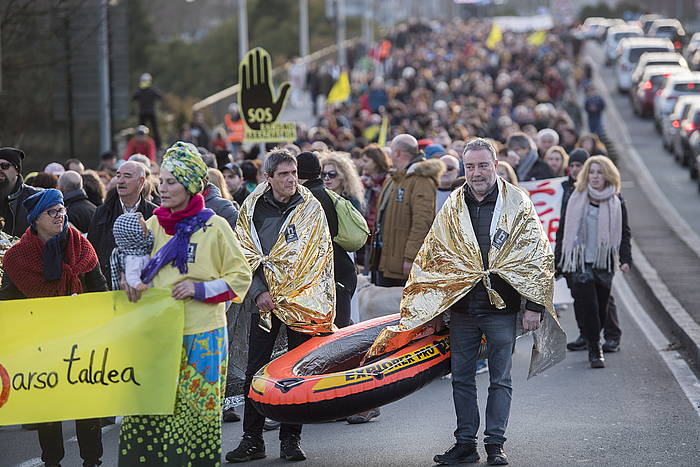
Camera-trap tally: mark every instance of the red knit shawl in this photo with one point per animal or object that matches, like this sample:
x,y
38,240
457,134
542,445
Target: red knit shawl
x,y
23,265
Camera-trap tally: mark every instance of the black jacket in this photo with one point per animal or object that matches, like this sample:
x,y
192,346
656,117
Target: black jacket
x,y
80,209
568,188
477,300
342,262
221,206
625,241
540,170
12,210
268,217
100,230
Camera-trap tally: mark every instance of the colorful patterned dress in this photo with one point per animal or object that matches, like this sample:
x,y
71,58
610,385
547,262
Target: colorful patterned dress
x,y
192,435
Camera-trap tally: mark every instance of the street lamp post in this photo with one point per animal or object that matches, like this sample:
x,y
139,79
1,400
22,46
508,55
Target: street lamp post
x,y
303,28
242,29
340,15
103,69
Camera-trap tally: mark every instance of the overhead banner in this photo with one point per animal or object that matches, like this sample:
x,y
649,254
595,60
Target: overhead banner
x,y
90,355
259,106
546,195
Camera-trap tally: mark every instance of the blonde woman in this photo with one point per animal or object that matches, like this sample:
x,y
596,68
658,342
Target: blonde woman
x,y
506,172
593,238
217,179
557,158
339,175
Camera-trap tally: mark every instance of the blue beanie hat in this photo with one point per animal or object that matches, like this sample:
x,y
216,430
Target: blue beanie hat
x,y
434,150
40,202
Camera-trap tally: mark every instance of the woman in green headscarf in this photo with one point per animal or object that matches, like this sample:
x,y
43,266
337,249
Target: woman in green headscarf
x,y
195,253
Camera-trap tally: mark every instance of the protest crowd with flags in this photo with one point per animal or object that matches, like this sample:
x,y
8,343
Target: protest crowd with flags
x,y
389,138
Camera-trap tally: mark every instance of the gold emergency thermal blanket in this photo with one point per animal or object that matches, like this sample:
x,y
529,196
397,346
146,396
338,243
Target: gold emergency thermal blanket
x,y
298,273
449,265
6,241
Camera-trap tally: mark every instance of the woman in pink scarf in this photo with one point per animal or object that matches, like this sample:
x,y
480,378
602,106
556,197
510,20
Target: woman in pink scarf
x,y
595,240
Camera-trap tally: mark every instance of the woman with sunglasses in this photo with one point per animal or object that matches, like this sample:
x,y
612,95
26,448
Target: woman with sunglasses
x,y
339,175
53,259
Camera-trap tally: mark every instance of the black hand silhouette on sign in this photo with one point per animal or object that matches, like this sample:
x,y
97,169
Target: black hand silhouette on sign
x,y
257,101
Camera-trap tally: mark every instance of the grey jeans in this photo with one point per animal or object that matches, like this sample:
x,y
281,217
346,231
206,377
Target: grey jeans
x,y
465,335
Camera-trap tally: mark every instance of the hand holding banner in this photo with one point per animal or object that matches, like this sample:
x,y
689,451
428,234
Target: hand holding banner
x,y
88,356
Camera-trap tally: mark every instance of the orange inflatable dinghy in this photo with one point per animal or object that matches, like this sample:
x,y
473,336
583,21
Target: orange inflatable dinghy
x,y
322,380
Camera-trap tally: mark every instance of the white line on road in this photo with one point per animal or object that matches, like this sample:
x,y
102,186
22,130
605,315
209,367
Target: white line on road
x,y
31,463
674,361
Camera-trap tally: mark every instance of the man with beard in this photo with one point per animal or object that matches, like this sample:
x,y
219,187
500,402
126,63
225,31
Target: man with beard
x,y
13,192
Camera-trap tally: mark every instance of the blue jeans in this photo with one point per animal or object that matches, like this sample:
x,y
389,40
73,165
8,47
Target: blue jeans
x,y
465,335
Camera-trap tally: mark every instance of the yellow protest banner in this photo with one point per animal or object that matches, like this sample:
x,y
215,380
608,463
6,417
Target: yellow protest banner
x,y
90,355
537,38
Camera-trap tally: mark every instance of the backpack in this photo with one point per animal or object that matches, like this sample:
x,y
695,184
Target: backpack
x,y
352,226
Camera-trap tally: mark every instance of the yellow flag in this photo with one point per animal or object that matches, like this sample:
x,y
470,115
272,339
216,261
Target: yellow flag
x,y
537,38
383,131
340,92
89,356
495,36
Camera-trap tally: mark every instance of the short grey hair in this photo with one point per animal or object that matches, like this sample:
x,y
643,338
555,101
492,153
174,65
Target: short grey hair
x,y
543,133
70,180
406,143
478,144
276,157
143,170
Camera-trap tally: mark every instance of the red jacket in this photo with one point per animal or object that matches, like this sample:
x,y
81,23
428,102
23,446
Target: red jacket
x,y
146,147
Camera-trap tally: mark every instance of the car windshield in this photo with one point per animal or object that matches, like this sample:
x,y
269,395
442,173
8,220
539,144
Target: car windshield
x,y
637,52
687,88
665,31
621,35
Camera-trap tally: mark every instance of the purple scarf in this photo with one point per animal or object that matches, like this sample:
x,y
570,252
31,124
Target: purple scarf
x,y
175,251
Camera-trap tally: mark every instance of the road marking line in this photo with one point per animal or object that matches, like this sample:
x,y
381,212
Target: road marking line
x,y
31,462
682,373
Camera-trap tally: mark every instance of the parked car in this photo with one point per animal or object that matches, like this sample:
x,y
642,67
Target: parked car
x,y
643,96
656,58
629,52
694,143
672,123
676,85
615,35
681,142
592,26
645,21
692,45
669,28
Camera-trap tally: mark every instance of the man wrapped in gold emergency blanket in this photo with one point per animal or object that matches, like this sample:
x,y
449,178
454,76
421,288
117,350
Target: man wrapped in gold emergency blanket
x,y
449,265
299,273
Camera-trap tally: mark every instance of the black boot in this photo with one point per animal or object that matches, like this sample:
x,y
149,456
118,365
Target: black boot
x,y
595,355
611,345
578,344
495,455
290,449
250,448
460,453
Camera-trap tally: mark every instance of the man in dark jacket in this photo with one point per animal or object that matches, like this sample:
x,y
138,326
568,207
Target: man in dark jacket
x,y
13,192
530,166
270,213
80,208
611,330
131,177
474,314
221,206
146,97
309,170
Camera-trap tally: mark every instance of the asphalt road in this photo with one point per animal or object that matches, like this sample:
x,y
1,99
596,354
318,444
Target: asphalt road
x,y
632,413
